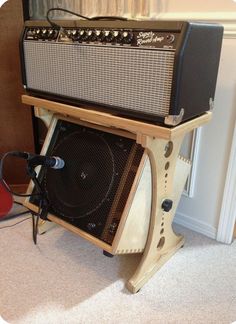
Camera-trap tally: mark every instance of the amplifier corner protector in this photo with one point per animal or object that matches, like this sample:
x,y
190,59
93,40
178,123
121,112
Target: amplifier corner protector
x,y
211,104
174,120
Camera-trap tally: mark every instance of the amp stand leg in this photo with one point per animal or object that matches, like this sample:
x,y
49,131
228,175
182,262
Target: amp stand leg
x,y
162,242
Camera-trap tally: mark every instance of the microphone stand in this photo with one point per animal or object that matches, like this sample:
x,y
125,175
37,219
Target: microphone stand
x,y
43,204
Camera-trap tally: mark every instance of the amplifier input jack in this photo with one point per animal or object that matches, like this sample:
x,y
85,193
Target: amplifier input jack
x,y
170,38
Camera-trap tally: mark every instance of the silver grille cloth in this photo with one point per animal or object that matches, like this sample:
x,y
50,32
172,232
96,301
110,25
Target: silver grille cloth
x,y
132,79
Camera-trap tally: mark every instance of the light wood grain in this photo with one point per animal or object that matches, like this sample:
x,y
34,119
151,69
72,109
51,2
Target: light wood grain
x,y
108,120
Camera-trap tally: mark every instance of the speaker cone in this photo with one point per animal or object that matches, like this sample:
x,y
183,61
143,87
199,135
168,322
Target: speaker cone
x,y
86,180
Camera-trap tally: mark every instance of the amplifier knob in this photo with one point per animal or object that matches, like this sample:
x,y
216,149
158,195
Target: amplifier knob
x,y
81,35
86,35
38,31
116,34
67,32
91,35
51,33
74,34
127,37
31,33
99,35
81,32
44,33
109,36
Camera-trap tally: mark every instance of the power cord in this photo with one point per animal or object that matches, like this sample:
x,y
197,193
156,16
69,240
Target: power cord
x,y
8,217
14,215
18,203
55,25
109,18
23,220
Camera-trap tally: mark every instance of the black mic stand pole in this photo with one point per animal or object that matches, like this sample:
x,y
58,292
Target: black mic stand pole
x,y
43,204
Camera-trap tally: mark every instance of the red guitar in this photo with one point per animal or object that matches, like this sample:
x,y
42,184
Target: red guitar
x,y
6,200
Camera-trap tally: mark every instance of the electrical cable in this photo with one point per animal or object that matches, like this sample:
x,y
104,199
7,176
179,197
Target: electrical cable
x,y
11,153
18,203
35,222
7,217
21,221
55,25
43,201
14,215
109,18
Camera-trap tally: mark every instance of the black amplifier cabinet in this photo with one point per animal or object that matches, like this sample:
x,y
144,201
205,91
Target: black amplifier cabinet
x,y
160,71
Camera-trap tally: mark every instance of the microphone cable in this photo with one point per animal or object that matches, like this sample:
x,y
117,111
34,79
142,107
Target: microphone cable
x,y
43,201
11,153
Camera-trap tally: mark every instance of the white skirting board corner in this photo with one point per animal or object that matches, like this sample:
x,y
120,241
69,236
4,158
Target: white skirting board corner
x,y
195,225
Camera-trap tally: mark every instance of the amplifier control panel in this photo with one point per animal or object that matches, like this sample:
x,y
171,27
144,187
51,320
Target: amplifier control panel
x,y
120,37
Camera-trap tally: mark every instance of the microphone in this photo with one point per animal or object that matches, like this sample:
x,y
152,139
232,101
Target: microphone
x,y
53,162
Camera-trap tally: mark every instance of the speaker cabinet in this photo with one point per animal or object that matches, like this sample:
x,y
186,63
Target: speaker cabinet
x,y
103,193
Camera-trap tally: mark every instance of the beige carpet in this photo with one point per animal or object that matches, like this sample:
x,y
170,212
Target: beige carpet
x,y
65,279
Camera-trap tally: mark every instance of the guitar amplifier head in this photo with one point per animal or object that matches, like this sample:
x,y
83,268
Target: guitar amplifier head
x,y
160,71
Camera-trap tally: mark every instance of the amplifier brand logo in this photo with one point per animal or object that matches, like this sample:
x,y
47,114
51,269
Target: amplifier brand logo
x,y
148,38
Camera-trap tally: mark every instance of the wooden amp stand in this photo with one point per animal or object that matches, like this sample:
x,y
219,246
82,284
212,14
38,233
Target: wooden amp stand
x,y
163,146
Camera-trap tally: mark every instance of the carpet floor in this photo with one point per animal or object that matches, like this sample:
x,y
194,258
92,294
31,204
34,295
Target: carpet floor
x,y
65,279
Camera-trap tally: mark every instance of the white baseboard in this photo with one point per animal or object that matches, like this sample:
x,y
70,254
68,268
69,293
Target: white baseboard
x,y
195,225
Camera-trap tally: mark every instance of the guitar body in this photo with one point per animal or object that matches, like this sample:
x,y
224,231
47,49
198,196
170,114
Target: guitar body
x,y
6,200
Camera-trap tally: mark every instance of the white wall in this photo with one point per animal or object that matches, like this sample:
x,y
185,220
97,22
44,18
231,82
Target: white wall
x,y
203,6
202,212
134,8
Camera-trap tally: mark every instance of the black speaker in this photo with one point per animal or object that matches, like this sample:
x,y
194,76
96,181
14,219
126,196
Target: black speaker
x,y
92,190
104,191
